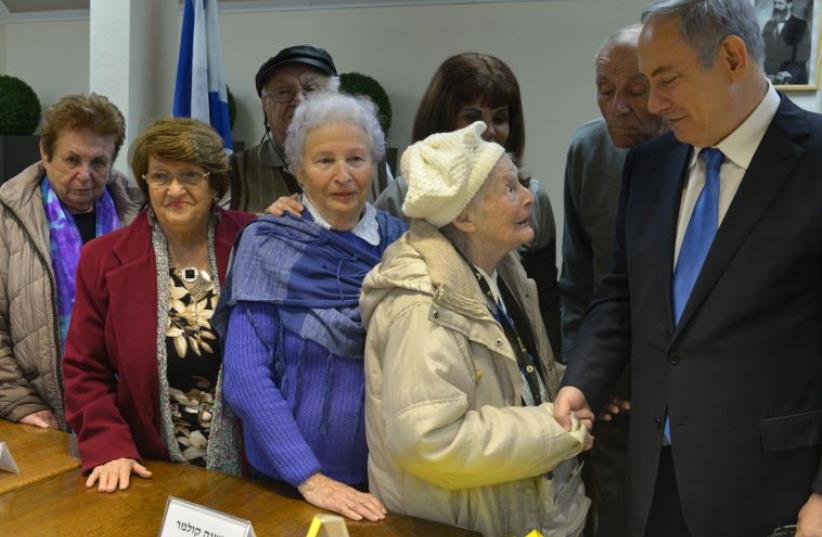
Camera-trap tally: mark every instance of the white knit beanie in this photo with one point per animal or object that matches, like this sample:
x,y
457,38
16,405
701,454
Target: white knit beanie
x,y
445,171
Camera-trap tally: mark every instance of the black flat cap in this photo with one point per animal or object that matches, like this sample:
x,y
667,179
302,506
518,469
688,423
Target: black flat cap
x,y
314,57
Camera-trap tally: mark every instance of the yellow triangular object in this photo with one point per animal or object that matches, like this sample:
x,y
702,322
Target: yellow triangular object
x,y
314,528
326,525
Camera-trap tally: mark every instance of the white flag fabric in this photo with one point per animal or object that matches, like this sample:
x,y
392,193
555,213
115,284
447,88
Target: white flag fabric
x,y
200,91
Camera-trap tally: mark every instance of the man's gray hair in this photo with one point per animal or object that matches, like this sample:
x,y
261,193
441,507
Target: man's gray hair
x,y
628,35
333,84
705,23
323,108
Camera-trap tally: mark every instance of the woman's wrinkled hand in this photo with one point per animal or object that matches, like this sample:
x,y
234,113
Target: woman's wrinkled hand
x,y
332,495
43,419
115,474
286,204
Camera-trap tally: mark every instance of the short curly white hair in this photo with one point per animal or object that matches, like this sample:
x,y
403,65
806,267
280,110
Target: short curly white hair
x,y
324,108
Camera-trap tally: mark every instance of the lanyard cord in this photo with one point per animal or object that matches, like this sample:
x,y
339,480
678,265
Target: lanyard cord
x,y
525,353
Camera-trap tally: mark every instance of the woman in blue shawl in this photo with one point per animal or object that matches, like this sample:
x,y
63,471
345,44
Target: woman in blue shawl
x,y
294,344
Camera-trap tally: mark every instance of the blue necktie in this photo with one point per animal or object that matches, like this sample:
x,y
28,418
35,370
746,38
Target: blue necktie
x,y
697,240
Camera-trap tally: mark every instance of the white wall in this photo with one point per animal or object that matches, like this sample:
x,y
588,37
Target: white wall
x,y
133,58
2,48
155,32
52,57
550,46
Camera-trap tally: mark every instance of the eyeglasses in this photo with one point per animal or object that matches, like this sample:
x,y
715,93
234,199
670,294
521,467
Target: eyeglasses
x,y
285,93
185,178
784,531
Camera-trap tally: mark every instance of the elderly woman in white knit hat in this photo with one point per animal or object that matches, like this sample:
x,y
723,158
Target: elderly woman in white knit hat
x,y
459,373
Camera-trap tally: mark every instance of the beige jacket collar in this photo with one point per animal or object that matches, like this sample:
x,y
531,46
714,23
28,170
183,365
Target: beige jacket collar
x,y
21,195
423,260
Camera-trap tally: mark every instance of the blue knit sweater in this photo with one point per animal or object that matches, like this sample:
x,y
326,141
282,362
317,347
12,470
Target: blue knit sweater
x,y
302,405
282,413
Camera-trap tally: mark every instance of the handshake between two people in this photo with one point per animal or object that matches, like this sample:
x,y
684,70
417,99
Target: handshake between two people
x,y
571,401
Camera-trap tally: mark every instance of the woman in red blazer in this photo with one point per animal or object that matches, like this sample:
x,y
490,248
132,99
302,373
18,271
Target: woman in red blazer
x,y
142,362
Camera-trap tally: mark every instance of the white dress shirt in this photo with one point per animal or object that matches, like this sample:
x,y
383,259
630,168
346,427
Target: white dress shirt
x,y
491,280
739,148
368,229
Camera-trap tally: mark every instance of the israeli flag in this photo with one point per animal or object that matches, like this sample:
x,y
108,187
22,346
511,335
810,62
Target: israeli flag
x,y
200,91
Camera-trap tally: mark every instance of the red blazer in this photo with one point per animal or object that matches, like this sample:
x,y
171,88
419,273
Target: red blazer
x,y
110,362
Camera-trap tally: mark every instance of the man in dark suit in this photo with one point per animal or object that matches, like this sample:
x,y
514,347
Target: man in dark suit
x,y
787,46
593,172
715,293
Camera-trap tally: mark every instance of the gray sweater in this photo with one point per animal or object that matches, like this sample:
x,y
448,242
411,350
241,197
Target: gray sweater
x,y
593,175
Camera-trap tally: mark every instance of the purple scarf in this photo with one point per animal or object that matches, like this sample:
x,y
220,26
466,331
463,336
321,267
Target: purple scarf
x,y
65,245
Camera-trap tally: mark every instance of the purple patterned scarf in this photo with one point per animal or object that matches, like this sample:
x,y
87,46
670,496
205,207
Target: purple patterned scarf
x,y
65,245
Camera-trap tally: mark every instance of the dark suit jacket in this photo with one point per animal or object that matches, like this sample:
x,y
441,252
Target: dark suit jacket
x,y
741,374
110,374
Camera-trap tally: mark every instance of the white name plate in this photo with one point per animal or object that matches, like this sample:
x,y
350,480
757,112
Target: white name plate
x,y
186,519
6,460
327,526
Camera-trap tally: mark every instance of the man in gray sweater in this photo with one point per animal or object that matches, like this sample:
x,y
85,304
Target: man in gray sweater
x,y
593,174
259,175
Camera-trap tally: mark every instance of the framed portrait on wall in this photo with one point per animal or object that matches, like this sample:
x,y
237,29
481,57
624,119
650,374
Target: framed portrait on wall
x,y
790,30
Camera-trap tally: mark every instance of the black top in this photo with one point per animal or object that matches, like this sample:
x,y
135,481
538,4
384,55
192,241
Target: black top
x,y
193,363
86,224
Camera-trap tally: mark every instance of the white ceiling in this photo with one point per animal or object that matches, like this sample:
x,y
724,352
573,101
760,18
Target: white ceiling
x,y
25,10
23,6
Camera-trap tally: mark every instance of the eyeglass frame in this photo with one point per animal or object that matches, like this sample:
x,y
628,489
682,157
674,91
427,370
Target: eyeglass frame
x,y
784,531
293,90
202,176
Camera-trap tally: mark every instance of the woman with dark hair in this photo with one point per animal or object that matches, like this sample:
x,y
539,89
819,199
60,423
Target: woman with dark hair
x,y
142,362
473,87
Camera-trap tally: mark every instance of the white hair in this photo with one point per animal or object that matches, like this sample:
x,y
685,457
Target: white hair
x,y
627,35
333,84
326,107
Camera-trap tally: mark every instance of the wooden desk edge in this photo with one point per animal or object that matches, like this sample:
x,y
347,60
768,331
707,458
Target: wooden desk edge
x,y
23,482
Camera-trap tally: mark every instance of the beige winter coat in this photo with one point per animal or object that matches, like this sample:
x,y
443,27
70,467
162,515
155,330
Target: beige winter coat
x,y
29,328
448,436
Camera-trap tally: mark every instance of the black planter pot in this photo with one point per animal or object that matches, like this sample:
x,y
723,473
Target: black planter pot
x,y
16,153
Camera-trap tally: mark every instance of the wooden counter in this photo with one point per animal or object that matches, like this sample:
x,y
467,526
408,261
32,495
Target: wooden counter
x,y
39,453
62,506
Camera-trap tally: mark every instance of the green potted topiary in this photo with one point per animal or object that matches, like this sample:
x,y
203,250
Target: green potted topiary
x,y
360,84
19,116
19,107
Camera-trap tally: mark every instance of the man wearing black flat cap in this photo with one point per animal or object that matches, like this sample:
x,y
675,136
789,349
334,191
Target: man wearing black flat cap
x,y
259,174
